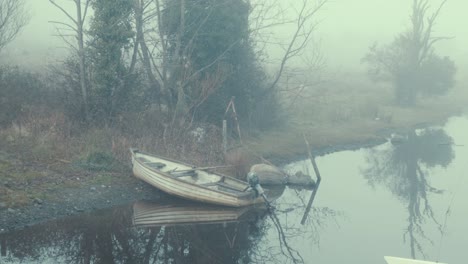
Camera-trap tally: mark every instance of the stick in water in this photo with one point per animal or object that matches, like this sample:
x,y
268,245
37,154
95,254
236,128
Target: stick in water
x,y
319,179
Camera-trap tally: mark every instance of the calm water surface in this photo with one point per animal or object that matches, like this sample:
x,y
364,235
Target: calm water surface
x,y
406,199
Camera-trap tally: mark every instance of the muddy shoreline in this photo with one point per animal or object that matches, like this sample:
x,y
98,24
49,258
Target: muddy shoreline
x,y
87,196
76,200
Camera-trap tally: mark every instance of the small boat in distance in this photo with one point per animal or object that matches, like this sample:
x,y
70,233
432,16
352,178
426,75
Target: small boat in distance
x,y
394,260
192,183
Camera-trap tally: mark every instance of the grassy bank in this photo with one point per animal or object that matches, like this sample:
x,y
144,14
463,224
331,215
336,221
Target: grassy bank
x,y
353,111
43,151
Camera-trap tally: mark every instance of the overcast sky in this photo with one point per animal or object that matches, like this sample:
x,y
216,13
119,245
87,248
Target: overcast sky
x,y
349,27
346,30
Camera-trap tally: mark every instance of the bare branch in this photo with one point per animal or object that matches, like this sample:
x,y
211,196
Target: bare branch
x,y
63,11
85,11
64,24
304,17
78,22
12,19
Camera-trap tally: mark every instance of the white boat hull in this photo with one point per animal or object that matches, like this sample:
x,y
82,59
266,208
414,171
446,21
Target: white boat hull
x,y
395,260
204,187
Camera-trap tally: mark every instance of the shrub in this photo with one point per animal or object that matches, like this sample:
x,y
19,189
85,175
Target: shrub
x,y
19,90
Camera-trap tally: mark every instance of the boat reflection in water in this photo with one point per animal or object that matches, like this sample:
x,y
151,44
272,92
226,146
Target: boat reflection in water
x,y
199,234
147,214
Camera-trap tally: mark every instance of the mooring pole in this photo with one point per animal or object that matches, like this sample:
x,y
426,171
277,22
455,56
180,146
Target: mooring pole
x,y
224,136
319,179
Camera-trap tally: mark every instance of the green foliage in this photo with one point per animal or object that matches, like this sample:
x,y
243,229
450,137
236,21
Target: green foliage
x,y
19,90
65,81
110,33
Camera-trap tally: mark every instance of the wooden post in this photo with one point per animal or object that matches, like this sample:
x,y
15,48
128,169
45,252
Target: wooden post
x,y
3,247
234,114
319,179
224,136
237,121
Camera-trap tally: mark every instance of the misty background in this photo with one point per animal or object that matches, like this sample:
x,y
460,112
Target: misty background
x,y
345,31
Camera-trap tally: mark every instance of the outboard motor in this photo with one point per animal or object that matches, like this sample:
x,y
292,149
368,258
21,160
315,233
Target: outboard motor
x,y
254,183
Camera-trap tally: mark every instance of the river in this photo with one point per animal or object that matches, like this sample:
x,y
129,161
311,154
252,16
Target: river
x,y
405,199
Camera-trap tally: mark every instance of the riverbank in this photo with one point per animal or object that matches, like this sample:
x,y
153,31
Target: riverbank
x,y
350,118
52,175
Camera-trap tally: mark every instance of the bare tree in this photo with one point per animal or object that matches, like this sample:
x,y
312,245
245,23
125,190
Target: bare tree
x,y
422,39
143,13
410,62
180,86
12,19
303,25
76,27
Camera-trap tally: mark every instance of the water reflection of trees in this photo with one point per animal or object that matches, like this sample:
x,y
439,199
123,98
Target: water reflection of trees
x,y
404,168
284,232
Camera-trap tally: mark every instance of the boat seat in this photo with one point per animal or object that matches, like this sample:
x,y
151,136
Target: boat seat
x,y
186,173
209,184
213,183
156,165
221,184
142,159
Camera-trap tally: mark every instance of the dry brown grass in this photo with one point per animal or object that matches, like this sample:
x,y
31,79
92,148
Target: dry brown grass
x,y
43,149
353,110
48,137
340,112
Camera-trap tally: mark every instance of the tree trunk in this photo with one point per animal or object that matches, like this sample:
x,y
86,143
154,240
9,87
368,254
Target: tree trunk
x,y
81,55
140,40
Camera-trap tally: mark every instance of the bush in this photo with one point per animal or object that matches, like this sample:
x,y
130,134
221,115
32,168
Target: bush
x,y
437,75
19,90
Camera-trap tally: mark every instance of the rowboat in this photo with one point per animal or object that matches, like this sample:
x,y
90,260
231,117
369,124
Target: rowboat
x,y
150,214
192,183
395,260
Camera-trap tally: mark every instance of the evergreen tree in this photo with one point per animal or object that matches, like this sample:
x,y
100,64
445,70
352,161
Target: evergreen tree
x,y
110,32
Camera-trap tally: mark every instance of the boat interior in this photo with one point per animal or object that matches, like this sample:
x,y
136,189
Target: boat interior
x,y
194,175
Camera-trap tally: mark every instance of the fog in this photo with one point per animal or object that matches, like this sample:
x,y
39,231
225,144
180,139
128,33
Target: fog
x,y
346,29
350,27
66,131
